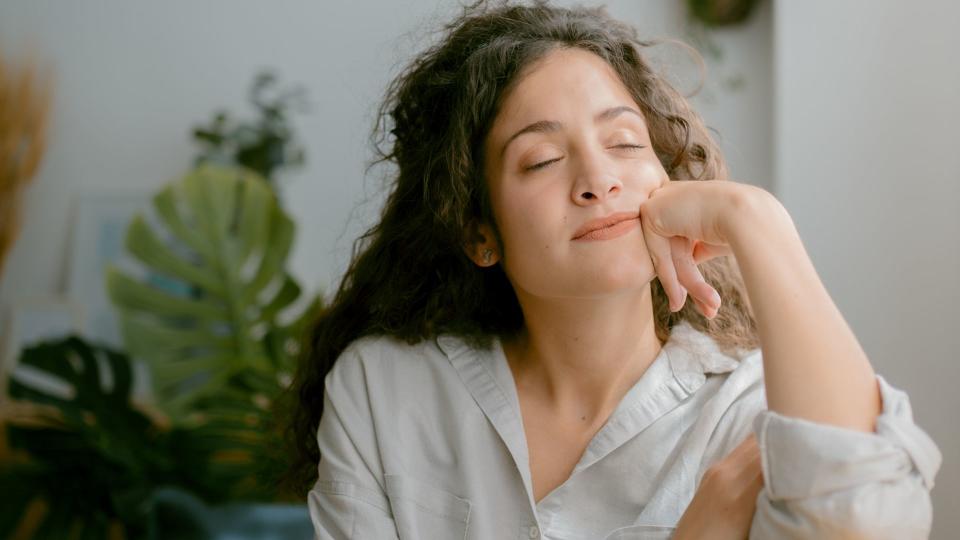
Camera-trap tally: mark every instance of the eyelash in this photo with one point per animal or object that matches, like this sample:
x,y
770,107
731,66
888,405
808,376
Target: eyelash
x,y
543,164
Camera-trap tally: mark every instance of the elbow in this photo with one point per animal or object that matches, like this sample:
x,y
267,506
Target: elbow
x,y
900,509
894,510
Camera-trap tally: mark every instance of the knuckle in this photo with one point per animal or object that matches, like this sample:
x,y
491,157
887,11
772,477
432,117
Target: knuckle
x,y
681,263
717,473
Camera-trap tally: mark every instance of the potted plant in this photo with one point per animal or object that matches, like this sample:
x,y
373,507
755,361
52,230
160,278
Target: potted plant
x,y
218,319
89,459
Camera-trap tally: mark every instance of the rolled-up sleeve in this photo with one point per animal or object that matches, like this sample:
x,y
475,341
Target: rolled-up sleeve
x,y
823,481
348,499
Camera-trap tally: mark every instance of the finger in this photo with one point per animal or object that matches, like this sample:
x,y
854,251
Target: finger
x,y
748,469
746,456
756,473
703,252
707,311
689,275
746,447
658,248
749,443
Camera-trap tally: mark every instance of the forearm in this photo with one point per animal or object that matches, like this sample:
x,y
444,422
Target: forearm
x,y
814,368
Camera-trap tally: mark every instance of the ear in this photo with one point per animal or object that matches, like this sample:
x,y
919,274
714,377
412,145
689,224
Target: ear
x,y
481,246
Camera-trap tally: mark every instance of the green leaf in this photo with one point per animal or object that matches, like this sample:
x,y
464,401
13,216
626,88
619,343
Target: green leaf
x,y
223,238
102,460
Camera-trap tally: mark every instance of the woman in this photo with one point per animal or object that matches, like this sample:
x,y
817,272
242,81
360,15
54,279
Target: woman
x,y
511,353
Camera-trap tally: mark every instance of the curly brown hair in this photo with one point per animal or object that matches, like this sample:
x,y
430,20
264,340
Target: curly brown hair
x,y
409,276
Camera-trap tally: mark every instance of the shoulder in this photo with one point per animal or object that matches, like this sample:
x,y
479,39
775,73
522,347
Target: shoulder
x,y
383,364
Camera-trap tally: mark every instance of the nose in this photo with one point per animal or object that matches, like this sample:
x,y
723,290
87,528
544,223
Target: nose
x,y
596,182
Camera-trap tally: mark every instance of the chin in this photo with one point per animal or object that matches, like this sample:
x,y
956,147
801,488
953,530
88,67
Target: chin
x,y
610,281
588,279
624,272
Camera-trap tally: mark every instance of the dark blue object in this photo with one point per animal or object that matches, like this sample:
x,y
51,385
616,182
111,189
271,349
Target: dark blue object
x,y
177,514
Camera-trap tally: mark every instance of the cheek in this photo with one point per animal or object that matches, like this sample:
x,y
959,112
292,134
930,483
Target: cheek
x,y
532,226
539,209
651,174
530,231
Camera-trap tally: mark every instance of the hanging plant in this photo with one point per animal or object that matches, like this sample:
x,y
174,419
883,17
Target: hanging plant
x,y
715,13
264,145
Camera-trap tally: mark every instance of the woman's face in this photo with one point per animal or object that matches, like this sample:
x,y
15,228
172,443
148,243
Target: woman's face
x,y
546,183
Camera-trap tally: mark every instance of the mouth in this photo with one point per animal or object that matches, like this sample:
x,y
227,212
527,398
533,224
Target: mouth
x,y
607,227
606,233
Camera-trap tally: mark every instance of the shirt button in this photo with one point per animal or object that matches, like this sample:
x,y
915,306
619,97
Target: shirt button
x,y
534,532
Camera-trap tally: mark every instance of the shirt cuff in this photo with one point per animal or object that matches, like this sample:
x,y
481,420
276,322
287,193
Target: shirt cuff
x,y
802,458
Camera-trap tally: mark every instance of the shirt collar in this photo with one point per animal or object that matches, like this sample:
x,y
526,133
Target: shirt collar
x,y
693,354
690,354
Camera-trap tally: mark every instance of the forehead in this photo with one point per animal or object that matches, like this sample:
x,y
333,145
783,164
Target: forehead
x,y
565,81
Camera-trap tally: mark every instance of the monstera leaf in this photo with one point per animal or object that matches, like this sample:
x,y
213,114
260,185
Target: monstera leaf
x,y
93,457
234,441
211,320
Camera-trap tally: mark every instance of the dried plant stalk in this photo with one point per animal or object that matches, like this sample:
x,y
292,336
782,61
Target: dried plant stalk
x,y
25,95
24,109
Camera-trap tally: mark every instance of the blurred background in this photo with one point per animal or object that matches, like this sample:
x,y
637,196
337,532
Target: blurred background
x,y
846,111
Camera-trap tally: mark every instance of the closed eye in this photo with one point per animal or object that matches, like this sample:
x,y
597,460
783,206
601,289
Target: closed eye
x,y
543,164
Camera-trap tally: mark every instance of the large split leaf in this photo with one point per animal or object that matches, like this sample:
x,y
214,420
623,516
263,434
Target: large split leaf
x,y
220,251
96,458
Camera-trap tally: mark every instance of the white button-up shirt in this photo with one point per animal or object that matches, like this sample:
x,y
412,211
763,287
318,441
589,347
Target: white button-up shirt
x,y
426,442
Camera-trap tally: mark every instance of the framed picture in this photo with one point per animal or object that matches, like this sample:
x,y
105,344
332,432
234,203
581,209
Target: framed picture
x,y
98,240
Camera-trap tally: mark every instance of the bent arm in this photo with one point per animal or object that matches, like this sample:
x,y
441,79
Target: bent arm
x,y
840,452
814,368
824,481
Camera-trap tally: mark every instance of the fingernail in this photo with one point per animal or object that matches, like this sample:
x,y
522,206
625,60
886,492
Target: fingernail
x,y
715,297
676,304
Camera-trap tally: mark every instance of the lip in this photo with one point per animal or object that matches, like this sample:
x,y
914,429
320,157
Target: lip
x,y
607,227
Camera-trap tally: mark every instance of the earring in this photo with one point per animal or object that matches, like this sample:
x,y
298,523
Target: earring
x,y
487,255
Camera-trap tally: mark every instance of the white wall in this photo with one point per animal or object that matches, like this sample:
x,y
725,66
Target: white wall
x,y
132,78
868,104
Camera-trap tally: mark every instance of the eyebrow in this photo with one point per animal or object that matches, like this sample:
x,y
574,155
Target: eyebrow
x,y
551,126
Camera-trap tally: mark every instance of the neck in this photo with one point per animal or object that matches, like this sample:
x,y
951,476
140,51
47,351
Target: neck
x,y
578,357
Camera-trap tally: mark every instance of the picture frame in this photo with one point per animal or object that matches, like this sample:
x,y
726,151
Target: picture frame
x,y
102,218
